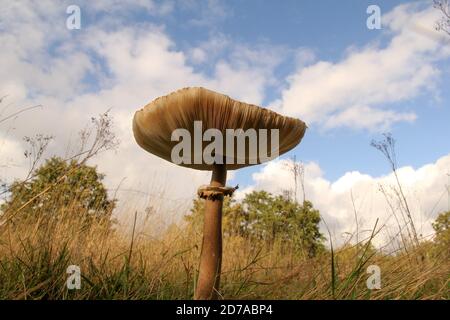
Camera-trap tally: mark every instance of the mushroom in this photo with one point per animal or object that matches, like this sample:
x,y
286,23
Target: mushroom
x,y
153,128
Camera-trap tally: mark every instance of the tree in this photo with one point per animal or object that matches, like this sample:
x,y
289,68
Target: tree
x,y
266,217
59,185
272,217
442,228
233,220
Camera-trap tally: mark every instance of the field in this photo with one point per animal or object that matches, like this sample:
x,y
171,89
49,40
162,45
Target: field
x,y
59,220
34,258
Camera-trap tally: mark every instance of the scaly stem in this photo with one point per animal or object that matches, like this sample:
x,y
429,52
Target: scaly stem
x,y
211,252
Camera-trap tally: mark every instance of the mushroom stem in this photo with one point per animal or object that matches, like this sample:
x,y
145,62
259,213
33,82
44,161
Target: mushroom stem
x,y
211,252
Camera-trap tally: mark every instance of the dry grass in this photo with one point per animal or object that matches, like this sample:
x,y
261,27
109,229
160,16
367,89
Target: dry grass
x,y
34,256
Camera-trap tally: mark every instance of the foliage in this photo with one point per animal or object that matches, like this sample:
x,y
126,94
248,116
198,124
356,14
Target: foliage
x,y
34,257
442,228
34,260
262,216
59,184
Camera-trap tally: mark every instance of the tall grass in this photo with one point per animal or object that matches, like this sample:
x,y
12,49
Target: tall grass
x,y
34,256
35,252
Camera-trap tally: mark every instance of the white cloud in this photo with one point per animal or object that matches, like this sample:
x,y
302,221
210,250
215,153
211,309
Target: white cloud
x,y
12,161
233,64
304,57
198,55
364,117
362,89
78,74
424,188
211,49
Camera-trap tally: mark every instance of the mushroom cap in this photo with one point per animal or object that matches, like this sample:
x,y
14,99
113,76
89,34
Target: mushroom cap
x,y
153,124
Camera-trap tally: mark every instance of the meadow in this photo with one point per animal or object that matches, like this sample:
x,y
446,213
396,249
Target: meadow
x,y
60,215
35,254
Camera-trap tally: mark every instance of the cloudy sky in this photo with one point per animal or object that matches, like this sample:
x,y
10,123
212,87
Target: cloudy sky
x,y
315,60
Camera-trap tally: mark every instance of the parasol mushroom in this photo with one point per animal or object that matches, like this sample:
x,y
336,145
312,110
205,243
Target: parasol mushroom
x,y
154,128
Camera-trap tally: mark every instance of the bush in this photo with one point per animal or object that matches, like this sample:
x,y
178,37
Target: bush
x,y
265,217
57,187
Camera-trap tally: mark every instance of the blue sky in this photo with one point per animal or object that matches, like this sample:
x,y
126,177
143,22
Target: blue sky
x,y
328,28
315,60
